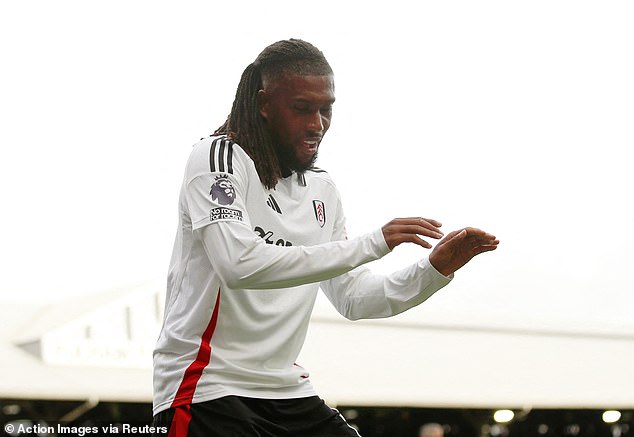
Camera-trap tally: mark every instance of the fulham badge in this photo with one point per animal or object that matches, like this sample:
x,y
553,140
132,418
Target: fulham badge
x,y
320,212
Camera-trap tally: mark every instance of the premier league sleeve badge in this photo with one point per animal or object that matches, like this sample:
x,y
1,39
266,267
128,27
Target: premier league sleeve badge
x,y
222,190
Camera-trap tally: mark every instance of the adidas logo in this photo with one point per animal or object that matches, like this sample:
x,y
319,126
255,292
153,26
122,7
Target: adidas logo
x,y
273,204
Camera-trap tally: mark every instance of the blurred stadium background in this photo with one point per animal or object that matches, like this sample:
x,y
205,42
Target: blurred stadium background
x,y
88,362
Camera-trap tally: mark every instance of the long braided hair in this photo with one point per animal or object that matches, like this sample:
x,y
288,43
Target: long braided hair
x,y
244,124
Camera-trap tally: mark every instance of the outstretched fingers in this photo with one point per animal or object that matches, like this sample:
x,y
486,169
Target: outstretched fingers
x,y
410,230
479,241
459,247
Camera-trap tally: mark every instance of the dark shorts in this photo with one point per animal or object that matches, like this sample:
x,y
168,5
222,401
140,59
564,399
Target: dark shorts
x,y
234,416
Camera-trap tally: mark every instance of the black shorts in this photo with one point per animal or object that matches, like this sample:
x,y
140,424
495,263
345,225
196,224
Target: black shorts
x,y
235,416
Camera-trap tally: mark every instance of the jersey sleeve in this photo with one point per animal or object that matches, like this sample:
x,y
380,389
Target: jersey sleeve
x,y
244,261
216,184
361,294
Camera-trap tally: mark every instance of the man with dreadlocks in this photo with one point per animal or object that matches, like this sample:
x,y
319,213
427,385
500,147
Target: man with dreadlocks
x,y
260,230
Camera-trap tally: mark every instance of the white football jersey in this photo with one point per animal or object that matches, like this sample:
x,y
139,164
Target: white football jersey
x,y
245,270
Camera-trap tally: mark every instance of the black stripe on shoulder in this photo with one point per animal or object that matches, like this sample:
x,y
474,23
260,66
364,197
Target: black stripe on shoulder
x,y
317,170
230,156
212,155
221,155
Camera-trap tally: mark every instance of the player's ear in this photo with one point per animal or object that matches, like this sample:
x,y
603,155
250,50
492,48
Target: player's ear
x,y
263,104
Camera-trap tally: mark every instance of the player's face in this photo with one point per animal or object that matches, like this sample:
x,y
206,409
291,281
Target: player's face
x,y
297,110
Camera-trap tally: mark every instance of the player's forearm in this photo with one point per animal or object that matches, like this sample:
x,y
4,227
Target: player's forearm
x,y
360,294
244,260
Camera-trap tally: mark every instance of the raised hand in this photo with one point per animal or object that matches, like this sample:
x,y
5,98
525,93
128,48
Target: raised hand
x,y
409,230
459,247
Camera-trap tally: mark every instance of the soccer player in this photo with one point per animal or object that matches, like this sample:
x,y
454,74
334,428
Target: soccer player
x,y
261,230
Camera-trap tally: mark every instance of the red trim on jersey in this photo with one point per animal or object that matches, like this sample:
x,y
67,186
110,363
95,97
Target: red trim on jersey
x,y
180,421
185,393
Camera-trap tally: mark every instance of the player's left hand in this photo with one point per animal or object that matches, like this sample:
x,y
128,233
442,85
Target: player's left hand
x,y
459,247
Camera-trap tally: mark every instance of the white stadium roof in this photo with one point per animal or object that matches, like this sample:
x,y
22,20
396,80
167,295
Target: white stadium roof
x,y
100,348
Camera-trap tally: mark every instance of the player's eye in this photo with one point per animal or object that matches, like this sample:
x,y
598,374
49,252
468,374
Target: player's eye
x,y
302,108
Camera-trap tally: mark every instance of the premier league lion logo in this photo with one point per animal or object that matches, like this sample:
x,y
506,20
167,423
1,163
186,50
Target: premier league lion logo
x,y
222,190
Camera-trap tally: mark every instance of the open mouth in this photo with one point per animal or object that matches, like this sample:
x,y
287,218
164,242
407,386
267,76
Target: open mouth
x,y
311,145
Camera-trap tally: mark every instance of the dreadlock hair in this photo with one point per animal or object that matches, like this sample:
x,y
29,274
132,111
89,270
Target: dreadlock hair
x,y
245,125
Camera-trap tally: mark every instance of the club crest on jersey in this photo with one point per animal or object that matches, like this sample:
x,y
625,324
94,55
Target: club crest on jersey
x,y
320,212
222,190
